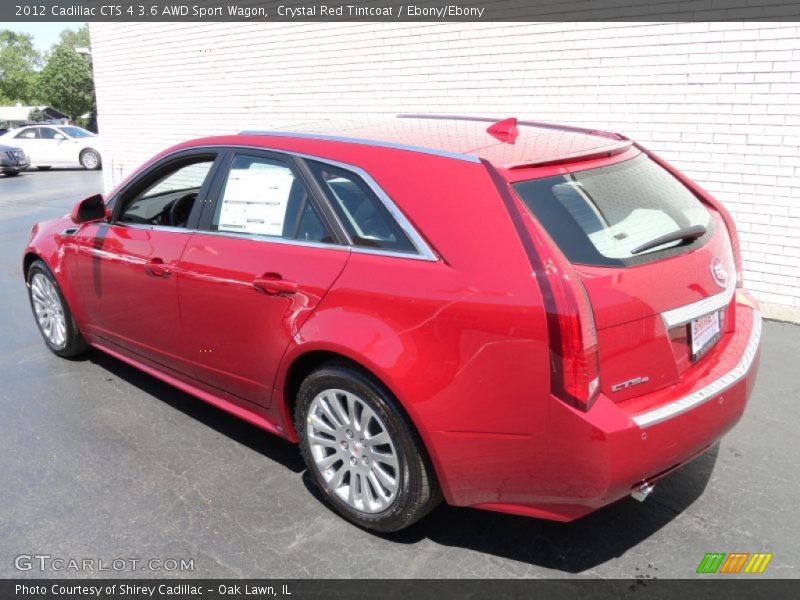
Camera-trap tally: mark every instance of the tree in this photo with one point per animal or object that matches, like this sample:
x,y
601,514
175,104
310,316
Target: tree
x,y
19,63
66,81
77,38
37,115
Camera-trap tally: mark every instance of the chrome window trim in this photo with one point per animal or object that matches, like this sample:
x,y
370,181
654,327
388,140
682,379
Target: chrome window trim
x,y
232,234
390,253
424,251
712,389
269,239
365,142
422,247
149,227
689,312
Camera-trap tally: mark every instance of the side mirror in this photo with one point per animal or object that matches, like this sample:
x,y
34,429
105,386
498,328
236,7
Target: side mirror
x,y
59,137
89,209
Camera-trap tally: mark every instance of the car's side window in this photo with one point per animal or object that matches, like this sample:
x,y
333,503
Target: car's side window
x,y
366,219
27,134
167,196
264,196
47,133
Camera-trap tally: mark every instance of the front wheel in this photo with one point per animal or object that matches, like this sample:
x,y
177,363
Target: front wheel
x,y
362,451
10,173
52,314
90,159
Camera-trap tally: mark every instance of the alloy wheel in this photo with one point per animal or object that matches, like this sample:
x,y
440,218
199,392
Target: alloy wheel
x,y
353,451
90,160
49,310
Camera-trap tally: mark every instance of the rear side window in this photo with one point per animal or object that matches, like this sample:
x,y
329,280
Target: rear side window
x,y
47,133
601,216
264,197
367,221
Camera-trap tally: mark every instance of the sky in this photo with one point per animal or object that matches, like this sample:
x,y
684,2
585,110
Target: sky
x,y
44,34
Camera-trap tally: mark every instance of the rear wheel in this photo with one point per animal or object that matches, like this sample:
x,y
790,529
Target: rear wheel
x,y
52,314
361,450
10,173
90,159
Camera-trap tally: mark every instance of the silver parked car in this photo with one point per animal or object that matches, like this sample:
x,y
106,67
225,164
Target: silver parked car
x,y
13,160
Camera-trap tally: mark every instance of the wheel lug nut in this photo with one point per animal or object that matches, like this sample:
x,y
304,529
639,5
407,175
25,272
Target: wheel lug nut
x,y
361,441
344,445
353,460
350,434
365,460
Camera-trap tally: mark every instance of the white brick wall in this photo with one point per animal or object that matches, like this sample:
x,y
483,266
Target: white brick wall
x,y
719,100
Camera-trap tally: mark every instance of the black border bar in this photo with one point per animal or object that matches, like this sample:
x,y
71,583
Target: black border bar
x,y
708,586
398,10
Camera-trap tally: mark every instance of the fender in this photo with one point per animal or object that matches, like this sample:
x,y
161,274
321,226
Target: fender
x,y
370,342
372,345
47,243
432,354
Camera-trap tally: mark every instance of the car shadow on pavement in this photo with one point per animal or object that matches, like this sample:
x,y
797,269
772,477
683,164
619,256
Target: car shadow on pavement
x,y
568,547
34,170
271,446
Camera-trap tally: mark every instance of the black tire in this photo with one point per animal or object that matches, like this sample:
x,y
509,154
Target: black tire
x,y
45,168
73,343
418,490
11,173
90,159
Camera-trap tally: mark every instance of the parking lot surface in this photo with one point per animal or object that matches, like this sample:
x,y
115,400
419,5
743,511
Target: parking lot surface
x,y
98,460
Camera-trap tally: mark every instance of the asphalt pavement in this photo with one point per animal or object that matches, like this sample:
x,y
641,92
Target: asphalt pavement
x,y
99,461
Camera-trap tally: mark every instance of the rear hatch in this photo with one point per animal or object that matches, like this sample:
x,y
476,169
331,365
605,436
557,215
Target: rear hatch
x,y
656,263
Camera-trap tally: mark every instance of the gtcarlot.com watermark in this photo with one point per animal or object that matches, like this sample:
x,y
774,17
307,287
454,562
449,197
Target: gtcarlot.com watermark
x,y
59,564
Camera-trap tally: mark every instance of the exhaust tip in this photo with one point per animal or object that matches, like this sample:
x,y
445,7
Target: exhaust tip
x,y
643,492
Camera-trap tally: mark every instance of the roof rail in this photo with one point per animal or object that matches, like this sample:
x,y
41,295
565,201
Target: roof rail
x,y
365,142
540,124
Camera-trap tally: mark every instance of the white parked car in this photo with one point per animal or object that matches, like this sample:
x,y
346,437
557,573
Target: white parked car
x,y
56,145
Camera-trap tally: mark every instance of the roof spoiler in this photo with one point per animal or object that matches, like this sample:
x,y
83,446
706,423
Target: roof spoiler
x,y
603,152
569,128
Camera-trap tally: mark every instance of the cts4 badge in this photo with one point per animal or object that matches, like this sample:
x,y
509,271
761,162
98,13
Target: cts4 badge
x,y
617,387
719,273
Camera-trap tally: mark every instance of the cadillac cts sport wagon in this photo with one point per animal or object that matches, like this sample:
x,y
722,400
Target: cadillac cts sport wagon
x,y
514,316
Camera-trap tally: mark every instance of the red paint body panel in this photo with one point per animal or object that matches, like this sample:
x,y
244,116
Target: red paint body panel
x,y
241,332
579,461
462,341
130,304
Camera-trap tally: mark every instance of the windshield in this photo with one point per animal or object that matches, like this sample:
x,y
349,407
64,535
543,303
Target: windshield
x,y
602,216
76,132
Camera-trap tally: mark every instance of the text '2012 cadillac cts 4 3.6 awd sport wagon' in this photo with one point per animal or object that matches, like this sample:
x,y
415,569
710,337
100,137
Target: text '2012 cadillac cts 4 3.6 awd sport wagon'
x,y
514,316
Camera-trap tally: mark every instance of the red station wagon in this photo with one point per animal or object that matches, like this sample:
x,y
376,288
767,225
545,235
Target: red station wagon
x,y
515,316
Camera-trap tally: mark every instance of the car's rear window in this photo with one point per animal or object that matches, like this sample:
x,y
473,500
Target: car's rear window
x,y
601,216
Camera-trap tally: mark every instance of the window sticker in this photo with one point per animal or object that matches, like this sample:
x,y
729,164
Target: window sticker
x,y
255,199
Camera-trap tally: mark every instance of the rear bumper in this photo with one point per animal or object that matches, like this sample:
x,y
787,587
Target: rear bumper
x,y
587,460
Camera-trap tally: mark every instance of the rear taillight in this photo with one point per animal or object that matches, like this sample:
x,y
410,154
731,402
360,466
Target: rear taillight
x,y
574,369
571,328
